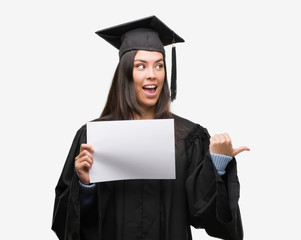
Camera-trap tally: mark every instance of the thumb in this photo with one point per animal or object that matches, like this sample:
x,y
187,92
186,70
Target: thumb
x,y
239,150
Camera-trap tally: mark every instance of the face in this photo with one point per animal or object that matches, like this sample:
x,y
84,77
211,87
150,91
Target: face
x,y
148,76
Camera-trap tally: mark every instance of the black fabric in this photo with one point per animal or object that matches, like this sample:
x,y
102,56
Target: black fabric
x,y
148,33
173,84
154,209
141,39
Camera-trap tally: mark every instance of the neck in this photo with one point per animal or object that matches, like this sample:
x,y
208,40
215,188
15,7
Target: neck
x,y
144,115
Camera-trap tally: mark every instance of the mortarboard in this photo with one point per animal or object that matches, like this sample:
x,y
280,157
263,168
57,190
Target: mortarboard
x,y
149,34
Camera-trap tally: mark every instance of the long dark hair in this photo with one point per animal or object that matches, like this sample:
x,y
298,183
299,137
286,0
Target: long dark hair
x,y
122,101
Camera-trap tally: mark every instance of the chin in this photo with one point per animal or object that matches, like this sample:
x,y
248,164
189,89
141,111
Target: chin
x,y
149,103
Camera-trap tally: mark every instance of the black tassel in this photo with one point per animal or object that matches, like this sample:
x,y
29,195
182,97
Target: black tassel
x,y
173,84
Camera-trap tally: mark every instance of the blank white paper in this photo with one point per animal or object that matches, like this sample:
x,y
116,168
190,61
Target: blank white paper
x,y
132,149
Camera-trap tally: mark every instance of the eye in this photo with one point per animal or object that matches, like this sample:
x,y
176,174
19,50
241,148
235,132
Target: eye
x,y
140,66
160,66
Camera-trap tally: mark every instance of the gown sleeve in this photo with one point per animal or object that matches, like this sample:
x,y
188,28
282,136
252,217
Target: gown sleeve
x,y
66,213
212,199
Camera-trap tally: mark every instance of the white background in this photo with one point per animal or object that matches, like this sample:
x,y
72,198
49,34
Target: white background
x,y
238,72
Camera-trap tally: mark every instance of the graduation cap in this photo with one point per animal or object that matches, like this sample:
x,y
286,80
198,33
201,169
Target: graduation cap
x,y
149,34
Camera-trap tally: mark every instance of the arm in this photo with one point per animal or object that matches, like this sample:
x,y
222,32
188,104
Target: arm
x,y
220,162
68,221
88,209
65,222
212,199
87,198
87,192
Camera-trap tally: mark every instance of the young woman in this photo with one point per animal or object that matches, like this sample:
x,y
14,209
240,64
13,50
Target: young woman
x,y
205,192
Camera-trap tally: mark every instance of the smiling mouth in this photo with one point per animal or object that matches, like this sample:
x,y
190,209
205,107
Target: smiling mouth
x,y
150,89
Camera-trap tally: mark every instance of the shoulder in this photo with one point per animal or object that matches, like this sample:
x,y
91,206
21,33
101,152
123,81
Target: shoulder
x,y
183,122
189,129
83,129
80,136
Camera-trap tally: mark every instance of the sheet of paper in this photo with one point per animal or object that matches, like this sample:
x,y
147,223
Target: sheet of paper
x,y
132,149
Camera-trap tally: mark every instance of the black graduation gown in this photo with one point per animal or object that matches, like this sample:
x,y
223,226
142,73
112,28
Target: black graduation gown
x,y
154,209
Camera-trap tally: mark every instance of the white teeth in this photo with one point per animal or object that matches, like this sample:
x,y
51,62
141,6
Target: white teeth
x,y
150,86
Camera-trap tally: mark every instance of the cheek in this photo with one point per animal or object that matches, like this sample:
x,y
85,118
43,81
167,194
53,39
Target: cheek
x,y
161,82
137,79
136,85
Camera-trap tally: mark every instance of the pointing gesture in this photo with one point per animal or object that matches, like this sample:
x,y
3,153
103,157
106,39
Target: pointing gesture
x,y
221,144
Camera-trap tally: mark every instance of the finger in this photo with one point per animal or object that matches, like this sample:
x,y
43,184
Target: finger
x,y
227,138
84,153
85,158
223,138
216,138
83,165
220,138
239,150
85,146
212,143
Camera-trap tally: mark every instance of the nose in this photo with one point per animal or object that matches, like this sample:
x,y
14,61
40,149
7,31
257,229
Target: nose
x,y
150,73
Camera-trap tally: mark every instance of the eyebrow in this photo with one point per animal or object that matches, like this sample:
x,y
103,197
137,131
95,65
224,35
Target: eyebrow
x,y
141,60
